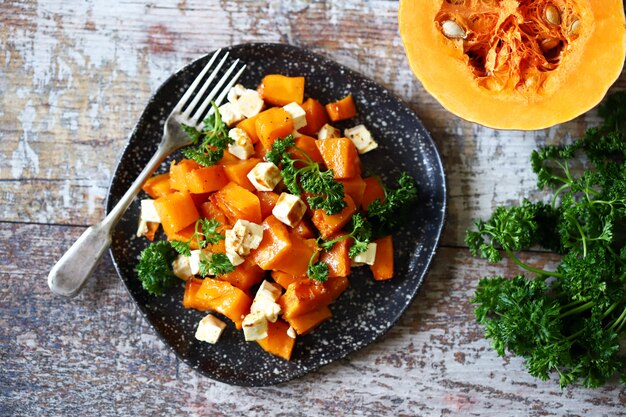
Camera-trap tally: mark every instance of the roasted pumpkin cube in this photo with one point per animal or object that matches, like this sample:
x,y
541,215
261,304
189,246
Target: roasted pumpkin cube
x,y
177,211
280,90
274,247
340,155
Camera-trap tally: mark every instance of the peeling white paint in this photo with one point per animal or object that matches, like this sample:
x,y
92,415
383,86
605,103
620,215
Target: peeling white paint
x,y
24,156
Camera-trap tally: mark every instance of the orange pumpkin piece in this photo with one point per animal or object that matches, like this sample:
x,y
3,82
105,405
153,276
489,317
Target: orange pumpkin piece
x,y
383,263
272,124
249,126
304,229
277,341
206,179
316,117
238,203
158,185
373,191
245,276
228,159
280,90
308,145
210,210
342,109
284,279
355,188
185,235
338,258
178,173
191,290
304,323
268,201
224,298
340,155
308,295
299,255
177,211
152,229
274,247
237,172
259,151
329,225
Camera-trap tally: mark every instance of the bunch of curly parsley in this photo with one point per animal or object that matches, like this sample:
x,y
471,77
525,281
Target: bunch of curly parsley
x,y
568,320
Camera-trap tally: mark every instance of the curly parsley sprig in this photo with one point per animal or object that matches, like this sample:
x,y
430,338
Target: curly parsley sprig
x,y
391,212
213,139
205,232
323,192
568,320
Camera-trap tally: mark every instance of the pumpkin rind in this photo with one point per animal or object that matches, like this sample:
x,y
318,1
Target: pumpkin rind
x,y
587,67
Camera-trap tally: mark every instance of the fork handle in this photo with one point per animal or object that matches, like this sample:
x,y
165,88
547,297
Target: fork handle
x,y
70,273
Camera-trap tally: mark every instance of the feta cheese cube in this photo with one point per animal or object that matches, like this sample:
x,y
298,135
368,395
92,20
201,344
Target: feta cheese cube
x,y
327,132
367,257
210,329
181,267
235,92
194,261
241,239
362,138
295,134
289,209
234,258
265,301
269,291
242,146
297,113
265,176
254,326
230,114
291,332
148,214
250,103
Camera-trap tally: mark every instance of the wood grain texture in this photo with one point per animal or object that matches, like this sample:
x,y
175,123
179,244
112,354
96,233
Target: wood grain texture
x,y
75,76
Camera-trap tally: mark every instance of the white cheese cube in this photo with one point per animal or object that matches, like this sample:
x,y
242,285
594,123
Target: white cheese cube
x,y
243,237
362,138
242,146
250,103
265,176
270,309
235,92
230,114
265,301
148,214
269,290
297,113
367,257
327,132
289,209
181,267
254,326
194,261
295,134
210,329
291,332
148,211
234,258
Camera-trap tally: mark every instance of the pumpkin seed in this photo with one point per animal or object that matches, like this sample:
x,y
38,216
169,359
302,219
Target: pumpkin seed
x,y
548,44
574,27
452,29
552,15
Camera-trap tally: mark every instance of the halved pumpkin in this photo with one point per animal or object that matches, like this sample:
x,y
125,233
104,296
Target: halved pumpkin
x,y
515,64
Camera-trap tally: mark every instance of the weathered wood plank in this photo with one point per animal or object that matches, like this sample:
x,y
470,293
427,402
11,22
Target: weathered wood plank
x,y
96,353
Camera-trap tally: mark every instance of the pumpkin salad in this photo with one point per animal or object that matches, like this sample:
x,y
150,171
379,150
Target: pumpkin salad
x,y
268,212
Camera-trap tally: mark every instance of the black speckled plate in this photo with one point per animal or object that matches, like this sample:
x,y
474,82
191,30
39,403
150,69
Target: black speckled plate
x,y
368,308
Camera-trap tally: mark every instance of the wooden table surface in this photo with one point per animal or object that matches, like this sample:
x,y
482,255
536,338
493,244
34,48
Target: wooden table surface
x,y
74,78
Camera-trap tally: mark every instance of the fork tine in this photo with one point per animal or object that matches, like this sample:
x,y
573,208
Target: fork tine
x,y
181,103
225,90
205,86
198,114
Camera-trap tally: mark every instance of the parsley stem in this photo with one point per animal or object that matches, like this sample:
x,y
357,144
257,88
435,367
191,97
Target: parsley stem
x,y
610,309
530,268
557,193
582,235
617,324
578,309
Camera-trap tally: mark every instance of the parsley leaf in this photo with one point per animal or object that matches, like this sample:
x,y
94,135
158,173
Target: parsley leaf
x,y
361,234
154,268
206,231
391,212
566,320
306,175
213,140
216,264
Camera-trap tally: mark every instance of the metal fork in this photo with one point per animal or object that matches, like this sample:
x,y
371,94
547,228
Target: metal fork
x,y
76,265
